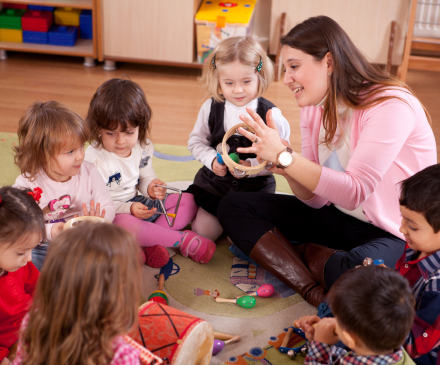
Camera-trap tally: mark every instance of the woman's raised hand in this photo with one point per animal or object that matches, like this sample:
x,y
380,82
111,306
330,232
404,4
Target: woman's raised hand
x,y
267,142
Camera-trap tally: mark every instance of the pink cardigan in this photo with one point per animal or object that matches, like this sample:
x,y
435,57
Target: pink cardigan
x,y
389,142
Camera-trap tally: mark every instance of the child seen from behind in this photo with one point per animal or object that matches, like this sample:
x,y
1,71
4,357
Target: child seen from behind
x,y
119,118
86,300
235,75
373,310
50,155
420,263
22,228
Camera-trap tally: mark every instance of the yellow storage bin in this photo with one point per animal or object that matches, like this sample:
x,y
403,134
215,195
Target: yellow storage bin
x,y
217,20
11,35
67,16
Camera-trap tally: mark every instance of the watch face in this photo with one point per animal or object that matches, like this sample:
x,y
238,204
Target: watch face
x,y
285,158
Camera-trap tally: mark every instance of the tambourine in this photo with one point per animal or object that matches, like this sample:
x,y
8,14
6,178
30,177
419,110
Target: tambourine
x,y
240,170
90,218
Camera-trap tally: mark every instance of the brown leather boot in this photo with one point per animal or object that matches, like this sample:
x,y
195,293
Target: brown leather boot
x,y
315,257
278,256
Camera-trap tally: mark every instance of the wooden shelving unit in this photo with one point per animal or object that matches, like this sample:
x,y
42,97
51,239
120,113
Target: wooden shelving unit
x,y
87,48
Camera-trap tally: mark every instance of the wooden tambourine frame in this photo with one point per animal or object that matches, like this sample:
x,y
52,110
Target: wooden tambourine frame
x,y
248,170
87,218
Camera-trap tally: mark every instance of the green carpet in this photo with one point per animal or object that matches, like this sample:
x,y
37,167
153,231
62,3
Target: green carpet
x,y
167,171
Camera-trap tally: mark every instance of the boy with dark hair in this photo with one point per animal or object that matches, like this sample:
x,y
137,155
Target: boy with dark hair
x,y
373,311
420,264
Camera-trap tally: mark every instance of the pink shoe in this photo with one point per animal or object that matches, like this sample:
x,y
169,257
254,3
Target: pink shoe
x,y
156,256
204,250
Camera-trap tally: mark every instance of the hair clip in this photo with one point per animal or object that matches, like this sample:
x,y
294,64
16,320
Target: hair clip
x,y
260,65
213,63
36,194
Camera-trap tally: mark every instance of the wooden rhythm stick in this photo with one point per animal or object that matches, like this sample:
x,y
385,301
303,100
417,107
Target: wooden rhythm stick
x,y
287,337
222,336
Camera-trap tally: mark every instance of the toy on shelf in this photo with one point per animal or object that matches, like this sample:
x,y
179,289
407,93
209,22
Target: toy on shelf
x,y
14,6
159,296
10,25
219,20
86,24
246,302
220,344
41,7
173,215
37,21
67,16
61,35
264,291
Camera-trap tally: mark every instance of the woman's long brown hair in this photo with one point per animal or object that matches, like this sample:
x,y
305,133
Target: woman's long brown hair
x,y
87,295
354,80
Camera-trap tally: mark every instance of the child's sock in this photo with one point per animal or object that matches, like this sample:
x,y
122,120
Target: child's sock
x,y
206,225
185,214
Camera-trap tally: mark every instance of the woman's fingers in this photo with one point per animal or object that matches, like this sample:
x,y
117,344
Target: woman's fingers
x,y
270,121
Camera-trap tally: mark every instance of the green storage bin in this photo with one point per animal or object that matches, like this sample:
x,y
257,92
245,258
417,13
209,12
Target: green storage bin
x,y
11,18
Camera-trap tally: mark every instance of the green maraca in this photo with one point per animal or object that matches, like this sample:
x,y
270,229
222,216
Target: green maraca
x,y
234,157
246,302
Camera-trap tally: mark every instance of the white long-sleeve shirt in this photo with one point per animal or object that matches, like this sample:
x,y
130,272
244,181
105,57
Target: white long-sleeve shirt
x,y
124,176
62,200
199,140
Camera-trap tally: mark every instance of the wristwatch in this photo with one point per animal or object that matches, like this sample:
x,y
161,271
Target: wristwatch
x,y
285,158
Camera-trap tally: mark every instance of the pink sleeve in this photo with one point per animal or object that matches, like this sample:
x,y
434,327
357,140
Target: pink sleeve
x,y
309,147
124,354
382,130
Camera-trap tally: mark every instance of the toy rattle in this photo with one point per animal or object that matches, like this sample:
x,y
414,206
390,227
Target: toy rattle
x,y
219,344
239,170
173,215
264,291
369,261
159,296
245,302
220,151
77,220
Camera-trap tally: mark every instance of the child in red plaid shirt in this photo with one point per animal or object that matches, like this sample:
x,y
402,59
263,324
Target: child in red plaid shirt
x,y
373,313
420,263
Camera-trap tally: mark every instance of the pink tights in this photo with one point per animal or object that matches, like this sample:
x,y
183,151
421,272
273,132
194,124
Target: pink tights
x,y
159,232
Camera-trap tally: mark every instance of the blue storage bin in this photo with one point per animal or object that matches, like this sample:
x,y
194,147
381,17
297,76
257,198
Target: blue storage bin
x,y
63,35
40,7
30,36
86,24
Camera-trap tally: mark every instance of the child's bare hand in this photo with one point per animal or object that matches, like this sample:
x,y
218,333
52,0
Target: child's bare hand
x,y
141,211
218,169
306,325
325,331
243,163
156,192
96,212
5,361
56,229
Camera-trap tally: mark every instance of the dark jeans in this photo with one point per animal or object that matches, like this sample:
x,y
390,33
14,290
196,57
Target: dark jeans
x,y
39,255
246,217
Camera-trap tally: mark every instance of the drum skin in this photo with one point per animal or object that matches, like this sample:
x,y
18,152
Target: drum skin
x,y
176,335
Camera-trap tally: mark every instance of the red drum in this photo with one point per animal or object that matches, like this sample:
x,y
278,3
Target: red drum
x,y
176,335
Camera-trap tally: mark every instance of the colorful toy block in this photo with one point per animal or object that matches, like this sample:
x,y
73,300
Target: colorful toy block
x,y
14,6
67,16
86,24
11,18
34,37
61,35
11,35
41,7
37,21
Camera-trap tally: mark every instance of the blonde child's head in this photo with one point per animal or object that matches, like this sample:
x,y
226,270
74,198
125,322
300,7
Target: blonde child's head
x,y
119,105
86,296
21,229
245,51
47,131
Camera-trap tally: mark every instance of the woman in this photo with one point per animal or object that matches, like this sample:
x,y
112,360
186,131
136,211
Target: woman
x,y
362,133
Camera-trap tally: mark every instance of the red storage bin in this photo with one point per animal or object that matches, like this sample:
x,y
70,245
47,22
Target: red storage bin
x,y
36,20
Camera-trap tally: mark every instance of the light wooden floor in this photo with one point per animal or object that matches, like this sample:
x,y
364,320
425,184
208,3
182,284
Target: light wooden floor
x,y
173,93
